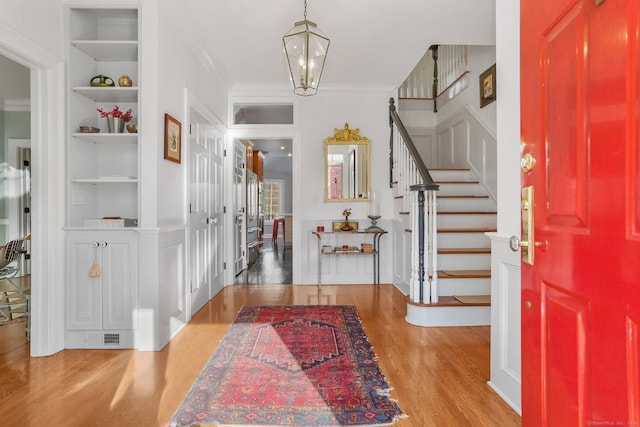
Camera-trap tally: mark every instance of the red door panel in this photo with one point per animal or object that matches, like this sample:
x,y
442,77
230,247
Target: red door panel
x,y
580,108
566,352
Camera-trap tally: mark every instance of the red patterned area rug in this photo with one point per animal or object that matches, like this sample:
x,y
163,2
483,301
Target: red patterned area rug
x,y
291,366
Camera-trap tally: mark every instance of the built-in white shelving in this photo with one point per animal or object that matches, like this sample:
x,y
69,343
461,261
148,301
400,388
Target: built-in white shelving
x,y
103,168
103,171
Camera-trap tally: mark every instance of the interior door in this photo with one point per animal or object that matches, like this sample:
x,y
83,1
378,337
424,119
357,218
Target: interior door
x,y
239,206
216,217
581,213
200,189
335,181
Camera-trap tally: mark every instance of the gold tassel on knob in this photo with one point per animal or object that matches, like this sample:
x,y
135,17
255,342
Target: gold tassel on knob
x,y
94,271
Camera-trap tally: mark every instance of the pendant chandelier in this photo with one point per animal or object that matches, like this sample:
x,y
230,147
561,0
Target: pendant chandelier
x,y
305,48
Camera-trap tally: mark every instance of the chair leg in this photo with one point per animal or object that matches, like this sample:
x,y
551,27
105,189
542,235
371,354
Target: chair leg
x,y
274,235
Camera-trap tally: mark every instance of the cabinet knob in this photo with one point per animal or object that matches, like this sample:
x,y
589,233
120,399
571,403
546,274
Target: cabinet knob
x,y
103,244
95,244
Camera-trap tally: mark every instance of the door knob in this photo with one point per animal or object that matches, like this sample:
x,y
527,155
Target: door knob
x,y
514,243
212,220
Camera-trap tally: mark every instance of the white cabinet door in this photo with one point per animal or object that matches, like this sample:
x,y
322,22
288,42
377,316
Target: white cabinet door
x,y
83,293
119,279
108,301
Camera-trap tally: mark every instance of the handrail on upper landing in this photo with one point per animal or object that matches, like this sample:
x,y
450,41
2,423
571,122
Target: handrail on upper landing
x,y
394,118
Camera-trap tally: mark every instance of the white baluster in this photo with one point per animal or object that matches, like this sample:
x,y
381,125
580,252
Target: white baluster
x,y
414,281
433,246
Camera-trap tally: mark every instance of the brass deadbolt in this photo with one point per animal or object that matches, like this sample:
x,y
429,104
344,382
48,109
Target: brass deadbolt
x,y
528,162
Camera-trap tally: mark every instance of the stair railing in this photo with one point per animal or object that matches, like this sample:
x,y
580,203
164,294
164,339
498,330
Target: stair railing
x,y
410,179
439,70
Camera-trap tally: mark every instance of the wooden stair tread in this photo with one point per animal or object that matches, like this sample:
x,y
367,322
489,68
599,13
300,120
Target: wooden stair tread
x,y
467,213
462,230
464,250
448,301
464,274
463,196
466,230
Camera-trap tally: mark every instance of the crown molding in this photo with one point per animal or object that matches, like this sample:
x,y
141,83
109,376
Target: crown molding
x,y
328,90
22,105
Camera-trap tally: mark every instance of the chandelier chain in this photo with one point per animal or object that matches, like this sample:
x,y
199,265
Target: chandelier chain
x,y
305,10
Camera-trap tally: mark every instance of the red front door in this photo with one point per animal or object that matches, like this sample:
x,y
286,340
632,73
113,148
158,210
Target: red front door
x,y
580,107
335,181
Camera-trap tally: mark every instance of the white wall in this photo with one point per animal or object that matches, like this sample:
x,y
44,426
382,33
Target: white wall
x,y
480,58
41,21
319,116
179,68
170,65
277,164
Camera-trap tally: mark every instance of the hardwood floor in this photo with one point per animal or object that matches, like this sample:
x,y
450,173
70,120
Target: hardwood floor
x,y
272,267
439,375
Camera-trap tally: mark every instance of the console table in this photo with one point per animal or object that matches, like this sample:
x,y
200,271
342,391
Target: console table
x,y
366,248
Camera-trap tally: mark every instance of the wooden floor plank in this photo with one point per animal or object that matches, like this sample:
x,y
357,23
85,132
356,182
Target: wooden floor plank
x,y
439,375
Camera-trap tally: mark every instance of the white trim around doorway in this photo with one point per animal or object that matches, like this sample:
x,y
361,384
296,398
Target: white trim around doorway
x,y
48,189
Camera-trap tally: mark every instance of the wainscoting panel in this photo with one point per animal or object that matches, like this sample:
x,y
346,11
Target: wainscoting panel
x,y
401,257
425,140
163,291
505,321
344,269
464,142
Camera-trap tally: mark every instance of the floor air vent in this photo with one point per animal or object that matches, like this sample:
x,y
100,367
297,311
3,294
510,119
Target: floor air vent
x,y
111,339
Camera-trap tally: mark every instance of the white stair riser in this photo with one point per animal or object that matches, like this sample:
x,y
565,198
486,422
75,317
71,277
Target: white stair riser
x,y
467,286
463,240
464,262
445,204
470,189
467,220
452,175
448,316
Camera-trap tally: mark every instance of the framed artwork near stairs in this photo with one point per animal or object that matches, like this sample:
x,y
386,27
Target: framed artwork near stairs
x,y
488,86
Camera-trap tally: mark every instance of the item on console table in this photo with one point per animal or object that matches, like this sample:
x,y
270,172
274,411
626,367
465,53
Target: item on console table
x,y
347,250
366,247
374,226
346,226
326,249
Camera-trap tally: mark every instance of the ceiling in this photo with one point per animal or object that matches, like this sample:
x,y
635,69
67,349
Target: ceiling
x,y
374,43
277,154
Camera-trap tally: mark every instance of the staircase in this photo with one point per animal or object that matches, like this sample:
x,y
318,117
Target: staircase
x,y
465,213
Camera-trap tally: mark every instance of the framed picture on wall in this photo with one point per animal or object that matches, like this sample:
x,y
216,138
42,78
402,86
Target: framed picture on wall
x,y
488,86
172,138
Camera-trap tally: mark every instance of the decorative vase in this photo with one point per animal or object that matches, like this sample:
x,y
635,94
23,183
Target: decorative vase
x,y
125,81
346,226
115,124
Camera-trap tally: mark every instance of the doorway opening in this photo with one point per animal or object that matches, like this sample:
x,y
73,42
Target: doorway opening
x,y
15,204
269,212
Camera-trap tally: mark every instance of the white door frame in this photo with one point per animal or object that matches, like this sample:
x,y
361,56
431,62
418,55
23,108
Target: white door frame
x,y
48,188
285,132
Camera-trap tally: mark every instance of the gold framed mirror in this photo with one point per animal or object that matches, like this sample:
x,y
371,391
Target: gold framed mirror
x,y
346,166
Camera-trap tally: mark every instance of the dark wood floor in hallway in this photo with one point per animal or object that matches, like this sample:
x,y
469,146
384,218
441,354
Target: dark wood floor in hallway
x,y
272,267
439,375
